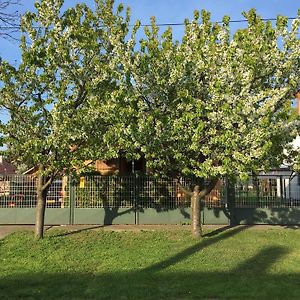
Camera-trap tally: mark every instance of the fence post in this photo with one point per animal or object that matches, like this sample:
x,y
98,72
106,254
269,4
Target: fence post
x,y
136,198
72,199
281,189
230,195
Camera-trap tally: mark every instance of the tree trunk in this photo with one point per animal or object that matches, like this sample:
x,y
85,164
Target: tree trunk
x,y
196,213
196,197
41,205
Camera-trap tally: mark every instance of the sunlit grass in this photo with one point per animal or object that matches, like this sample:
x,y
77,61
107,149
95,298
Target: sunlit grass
x,y
239,263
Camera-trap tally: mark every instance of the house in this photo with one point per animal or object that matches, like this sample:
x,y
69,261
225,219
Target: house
x,y
115,166
6,168
120,166
282,183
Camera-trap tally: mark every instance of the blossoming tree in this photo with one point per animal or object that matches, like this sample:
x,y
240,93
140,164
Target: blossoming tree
x,y
65,99
216,104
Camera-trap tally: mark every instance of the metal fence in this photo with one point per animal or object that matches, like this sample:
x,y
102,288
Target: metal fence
x,y
19,191
142,191
100,191
147,192
268,192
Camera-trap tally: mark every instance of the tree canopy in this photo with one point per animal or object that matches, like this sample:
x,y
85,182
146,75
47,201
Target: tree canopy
x,y
62,97
66,100
216,104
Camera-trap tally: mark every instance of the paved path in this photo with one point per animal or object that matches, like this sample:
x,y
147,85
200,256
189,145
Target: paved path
x,y
8,229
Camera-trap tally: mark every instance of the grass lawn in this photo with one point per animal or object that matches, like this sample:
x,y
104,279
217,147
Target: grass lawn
x,y
239,263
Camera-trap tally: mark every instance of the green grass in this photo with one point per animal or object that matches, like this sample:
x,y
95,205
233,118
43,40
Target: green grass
x,y
239,263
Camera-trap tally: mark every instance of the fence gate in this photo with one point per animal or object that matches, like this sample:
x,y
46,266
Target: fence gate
x,y
140,200
128,200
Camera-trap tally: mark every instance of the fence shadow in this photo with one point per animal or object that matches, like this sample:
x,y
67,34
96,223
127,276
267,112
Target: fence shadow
x,y
273,216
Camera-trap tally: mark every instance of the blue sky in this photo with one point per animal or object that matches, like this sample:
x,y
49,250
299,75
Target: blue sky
x,y
172,11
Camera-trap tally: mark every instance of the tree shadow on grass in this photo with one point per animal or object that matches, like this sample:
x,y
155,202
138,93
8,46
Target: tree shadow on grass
x,y
76,231
223,229
204,243
292,227
249,280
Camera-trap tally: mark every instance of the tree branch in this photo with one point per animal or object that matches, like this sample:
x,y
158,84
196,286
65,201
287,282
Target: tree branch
x,y
49,181
9,19
185,191
208,188
45,111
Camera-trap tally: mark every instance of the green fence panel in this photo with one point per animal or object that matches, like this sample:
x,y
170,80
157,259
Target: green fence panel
x,y
57,216
104,216
87,216
25,215
8,216
279,216
171,216
53,216
215,216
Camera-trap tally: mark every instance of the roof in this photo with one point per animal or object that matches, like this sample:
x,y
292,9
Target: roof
x,y
6,167
31,171
282,172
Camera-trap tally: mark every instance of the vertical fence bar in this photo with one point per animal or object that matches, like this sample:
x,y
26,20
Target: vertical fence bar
x,y
281,190
136,183
72,199
230,199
